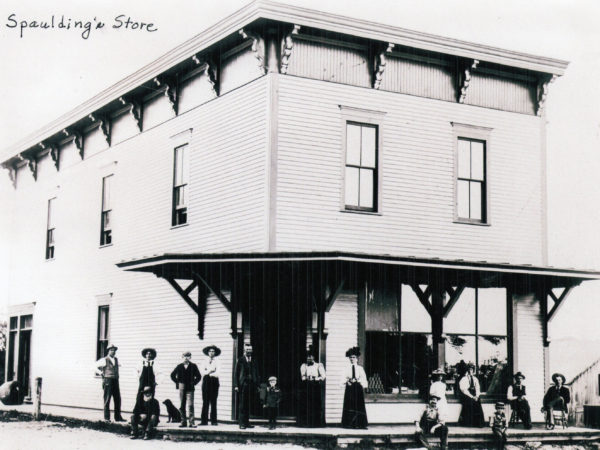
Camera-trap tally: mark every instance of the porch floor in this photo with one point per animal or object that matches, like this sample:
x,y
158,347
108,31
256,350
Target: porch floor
x,y
399,436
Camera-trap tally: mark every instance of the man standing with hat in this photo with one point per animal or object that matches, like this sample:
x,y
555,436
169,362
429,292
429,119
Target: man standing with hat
x,y
557,397
210,384
186,376
518,402
148,371
245,383
145,414
108,367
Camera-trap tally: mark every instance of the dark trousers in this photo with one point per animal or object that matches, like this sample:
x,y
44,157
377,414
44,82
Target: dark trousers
x,y
557,403
246,398
441,432
523,412
271,413
210,392
111,389
499,436
147,424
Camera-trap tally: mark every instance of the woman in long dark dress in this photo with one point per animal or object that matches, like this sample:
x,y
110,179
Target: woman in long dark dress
x,y
471,414
354,414
311,412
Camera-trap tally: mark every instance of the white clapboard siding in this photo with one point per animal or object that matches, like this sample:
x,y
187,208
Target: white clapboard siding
x,y
417,177
495,92
530,350
342,322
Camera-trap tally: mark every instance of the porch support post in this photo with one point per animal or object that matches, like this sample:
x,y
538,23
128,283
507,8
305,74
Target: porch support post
x,y
437,325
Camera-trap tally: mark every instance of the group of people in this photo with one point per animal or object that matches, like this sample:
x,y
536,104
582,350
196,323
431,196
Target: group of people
x,y
433,419
146,411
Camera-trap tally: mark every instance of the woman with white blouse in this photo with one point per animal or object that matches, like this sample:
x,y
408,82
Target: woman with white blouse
x,y
354,414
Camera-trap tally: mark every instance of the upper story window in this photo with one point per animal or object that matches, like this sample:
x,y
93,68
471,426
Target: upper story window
x,y
50,230
361,166
472,152
180,182
106,214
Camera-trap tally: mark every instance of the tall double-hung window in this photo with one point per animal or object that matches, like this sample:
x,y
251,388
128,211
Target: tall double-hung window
x,y
106,215
361,166
180,185
50,229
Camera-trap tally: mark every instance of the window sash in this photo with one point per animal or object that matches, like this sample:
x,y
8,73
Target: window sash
x,y
103,331
361,167
470,184
180,182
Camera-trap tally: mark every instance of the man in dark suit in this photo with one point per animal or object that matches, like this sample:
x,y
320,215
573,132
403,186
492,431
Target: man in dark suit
x,y
245,383
557,397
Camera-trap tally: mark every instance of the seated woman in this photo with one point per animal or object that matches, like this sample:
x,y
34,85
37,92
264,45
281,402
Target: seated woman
x,y
471,414
557,397
518,402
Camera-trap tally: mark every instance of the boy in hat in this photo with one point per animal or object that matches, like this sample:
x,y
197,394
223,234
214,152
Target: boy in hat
x,y
557,397
498,424
271,397
210,384
145,414
186,376
108,367
432,421
518,402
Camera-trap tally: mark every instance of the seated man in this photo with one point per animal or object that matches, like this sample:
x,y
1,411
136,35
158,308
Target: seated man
x,y
518,402
557,397
433,422
145,414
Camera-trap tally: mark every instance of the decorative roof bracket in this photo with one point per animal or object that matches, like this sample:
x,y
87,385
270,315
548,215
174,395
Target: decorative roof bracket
x,y
54,152
135,109
210,70
286,49
12,172
31,163
258,48
170,91
380,62
465,79
542,93
77,140
104,127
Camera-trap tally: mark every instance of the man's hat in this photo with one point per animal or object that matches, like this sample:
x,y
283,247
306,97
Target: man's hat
x,y
555,377
152,352
353,351
187,354
217,350
112,346
147,390
499,405
272,378
519,374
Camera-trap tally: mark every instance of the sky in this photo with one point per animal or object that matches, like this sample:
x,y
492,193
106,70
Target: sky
x,y
45,73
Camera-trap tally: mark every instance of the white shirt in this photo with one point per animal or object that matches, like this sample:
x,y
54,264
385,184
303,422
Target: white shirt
x,y
316,371
210,367
464,384
359,374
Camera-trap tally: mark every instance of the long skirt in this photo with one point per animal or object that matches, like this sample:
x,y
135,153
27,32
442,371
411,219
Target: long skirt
x,y
310,408
471,414
354,414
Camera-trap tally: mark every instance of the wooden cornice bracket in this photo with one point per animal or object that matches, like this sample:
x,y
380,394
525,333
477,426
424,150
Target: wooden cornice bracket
x,y
184,293
77,140
380,63
423,296
329,301
135,109
558,302
454,295
217,293
286,49
465,79
32,163
54,151
104,126
258,48
12,173
543,87
170,91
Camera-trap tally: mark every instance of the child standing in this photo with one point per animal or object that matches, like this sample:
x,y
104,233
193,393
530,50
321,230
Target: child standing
x,y
498,424
272,397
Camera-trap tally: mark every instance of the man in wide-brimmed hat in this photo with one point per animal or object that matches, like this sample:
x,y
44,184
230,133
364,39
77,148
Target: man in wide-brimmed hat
x,y
557,397
108,367
432,422
186,376
148,372
210,370
516,395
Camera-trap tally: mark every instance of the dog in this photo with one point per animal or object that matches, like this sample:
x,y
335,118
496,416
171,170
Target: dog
x,y
174,414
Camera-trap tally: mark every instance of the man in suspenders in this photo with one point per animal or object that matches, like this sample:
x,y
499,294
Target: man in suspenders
x,y
108,367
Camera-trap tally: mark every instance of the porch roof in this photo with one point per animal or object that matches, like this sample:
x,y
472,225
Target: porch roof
x,y
180,264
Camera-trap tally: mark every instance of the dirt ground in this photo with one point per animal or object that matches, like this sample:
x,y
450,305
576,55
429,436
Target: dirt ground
x,y
52,435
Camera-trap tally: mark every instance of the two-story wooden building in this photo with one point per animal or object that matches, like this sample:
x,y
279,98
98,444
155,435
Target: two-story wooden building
x,y
291,177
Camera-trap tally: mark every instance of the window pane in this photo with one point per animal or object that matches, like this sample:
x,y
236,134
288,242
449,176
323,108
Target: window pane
x,y
461,318
477,161
51,213
103,332
462,198
366,188
179,151
26,321
180,197
351,186
460,350
13,323
414,316
382,311
353,144
475,196
491,310
185,164
106,220
416,363
106,191
464,159
369,140
493,367
382,358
